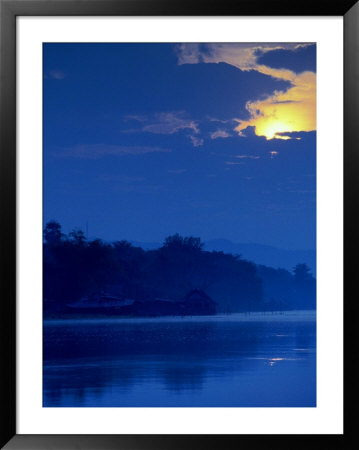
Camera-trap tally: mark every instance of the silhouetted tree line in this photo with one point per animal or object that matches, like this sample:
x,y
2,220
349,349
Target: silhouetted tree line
x,y
75,267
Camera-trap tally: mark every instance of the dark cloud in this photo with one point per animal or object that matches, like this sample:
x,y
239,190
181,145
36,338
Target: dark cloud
x,y
298,60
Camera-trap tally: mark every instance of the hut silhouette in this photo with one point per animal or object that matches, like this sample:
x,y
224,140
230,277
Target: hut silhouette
x,y
197,302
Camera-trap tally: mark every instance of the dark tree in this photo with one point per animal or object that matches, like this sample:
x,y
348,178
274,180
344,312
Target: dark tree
x,y
78,237
302,272
304,287
75,267
52,233
177,242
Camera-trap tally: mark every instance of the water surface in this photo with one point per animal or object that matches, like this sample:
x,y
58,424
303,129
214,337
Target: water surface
x,y
238,360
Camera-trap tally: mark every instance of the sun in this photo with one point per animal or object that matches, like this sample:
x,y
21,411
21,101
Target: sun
x,y
285,112
270,128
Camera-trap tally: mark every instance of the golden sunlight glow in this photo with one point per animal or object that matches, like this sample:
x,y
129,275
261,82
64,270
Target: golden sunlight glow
x,y
284,112
270,128
293,110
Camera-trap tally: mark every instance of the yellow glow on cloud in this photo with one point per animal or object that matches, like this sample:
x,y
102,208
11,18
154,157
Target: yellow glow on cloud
x,y
290,111
284,112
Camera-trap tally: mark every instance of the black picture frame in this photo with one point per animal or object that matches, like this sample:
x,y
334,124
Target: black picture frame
x,y
9,10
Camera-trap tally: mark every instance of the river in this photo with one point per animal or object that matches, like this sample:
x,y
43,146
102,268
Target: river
x,y
238,360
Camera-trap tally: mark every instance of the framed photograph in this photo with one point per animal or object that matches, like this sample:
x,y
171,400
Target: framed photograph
x,y
173,193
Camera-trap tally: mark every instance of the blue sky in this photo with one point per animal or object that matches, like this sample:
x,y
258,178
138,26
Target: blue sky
x,y
212,140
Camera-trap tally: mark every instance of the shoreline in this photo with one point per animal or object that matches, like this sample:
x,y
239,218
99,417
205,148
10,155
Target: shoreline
x,y
258,316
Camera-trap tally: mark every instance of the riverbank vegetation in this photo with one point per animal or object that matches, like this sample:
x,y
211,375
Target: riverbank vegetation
x,y
75,267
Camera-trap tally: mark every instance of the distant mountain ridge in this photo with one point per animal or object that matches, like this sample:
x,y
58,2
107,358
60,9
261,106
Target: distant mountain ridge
x,y
258,253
